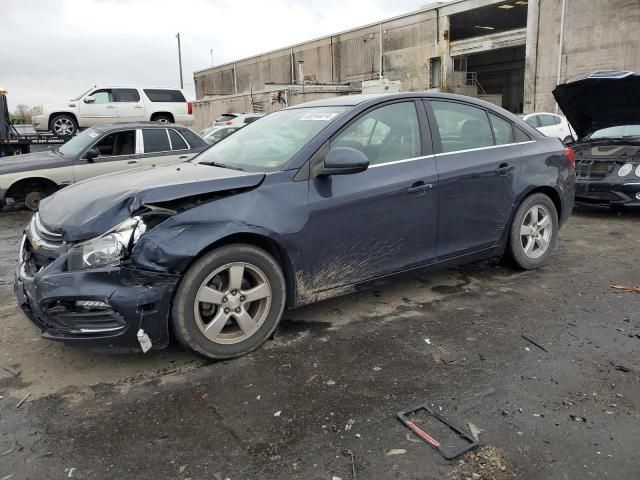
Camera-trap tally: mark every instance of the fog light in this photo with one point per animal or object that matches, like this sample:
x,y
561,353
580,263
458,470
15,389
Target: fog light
x,y
92,305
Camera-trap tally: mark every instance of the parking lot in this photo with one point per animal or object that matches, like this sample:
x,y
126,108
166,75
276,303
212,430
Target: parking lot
x,y
335,375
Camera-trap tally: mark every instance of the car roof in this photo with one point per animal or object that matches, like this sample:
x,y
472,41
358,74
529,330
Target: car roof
x,y
355,100
132,125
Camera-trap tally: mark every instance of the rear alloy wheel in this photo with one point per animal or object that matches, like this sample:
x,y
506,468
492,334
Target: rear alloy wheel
x,y
64,125
229,302
534,232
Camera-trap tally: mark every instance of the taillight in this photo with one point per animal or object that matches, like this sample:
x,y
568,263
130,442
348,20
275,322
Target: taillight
x,y
189,108
228,122
571,156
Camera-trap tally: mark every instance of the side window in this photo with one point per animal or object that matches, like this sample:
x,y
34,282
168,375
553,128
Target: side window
x,y
502,130
461,127
386,134
127,95
177,142
547,120
117,143
103,96
162,95
557,120
521,135
533,121
155,140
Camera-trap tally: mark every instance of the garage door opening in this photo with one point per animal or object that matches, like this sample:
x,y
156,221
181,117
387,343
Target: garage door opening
x,y
499,75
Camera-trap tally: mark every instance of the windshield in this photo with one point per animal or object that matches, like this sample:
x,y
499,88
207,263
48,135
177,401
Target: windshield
x,y
78,143
620,131
271,142
81,95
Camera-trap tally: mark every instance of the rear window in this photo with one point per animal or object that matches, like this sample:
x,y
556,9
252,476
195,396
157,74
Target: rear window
x,y
225,117
155,140
161,95
177,142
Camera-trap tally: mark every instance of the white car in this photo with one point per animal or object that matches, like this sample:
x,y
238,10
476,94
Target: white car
x,y
237,119
551,125
107,105
213,135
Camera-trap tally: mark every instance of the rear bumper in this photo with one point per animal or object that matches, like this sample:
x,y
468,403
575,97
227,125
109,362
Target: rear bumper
x,y
186,120
604,192
135,299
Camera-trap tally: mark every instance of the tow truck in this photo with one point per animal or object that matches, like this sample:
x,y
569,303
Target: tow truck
x,y
13,142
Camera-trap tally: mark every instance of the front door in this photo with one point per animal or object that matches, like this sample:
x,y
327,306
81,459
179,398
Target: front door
x,y
101,110
382,220
129,105
477,166
117,152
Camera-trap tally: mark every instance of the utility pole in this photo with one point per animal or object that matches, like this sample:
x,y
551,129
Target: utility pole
x,y
180,59
211,52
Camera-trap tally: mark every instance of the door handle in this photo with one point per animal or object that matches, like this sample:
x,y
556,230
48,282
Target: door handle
x,y
419,188
137,106
132,162
182,157
504,168
110,106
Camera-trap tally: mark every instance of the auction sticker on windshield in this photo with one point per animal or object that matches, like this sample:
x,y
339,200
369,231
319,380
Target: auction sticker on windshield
x,y
319,116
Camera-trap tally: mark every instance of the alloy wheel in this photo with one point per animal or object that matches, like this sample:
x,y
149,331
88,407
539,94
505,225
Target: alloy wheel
x,y
63,126
232,303
536,231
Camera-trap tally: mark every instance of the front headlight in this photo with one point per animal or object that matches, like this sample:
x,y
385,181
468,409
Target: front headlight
x,y
625,170
108,249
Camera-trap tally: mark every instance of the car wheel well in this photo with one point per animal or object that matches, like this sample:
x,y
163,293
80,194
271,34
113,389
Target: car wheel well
x,y
22,187
266,244
55,114
155,115
552,194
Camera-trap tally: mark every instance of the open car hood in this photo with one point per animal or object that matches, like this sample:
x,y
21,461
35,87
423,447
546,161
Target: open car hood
x,y
92,207
600,100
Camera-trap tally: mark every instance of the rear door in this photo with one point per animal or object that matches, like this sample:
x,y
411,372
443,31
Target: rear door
x,y
161,146
117,152
101,111
129,105
382,220
477,161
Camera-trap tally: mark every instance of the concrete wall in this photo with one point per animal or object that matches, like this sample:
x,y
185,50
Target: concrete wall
x,y
598,35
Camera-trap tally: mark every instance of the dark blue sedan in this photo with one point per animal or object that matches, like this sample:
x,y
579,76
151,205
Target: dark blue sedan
x,y
307,203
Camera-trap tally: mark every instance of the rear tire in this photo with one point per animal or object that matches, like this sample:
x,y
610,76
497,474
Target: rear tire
x,y
162,118
63,125
229,302
534,232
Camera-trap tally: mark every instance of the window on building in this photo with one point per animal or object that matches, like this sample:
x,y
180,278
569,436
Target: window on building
x,y
386,134
155,140
435,72
461,126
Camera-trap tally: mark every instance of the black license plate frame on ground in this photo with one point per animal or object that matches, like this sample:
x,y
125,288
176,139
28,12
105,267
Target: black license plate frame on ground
x,y
448,454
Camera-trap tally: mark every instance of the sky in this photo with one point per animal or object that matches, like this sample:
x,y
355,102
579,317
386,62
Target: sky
x,y
53,51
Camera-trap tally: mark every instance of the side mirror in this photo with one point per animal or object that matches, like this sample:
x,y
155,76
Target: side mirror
x,y
89,99
344,161
91,154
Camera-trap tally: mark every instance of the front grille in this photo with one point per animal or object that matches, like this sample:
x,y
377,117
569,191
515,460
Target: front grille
x,y
594,168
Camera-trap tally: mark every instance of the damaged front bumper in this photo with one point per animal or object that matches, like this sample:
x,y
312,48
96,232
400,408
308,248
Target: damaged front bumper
x,y
101,308
608,191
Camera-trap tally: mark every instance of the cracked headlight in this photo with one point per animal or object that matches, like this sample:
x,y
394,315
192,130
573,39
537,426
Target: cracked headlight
x,y
107,249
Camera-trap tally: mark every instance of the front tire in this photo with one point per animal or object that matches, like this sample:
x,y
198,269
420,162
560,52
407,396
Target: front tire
x,y
229,302
33,198
534,232
63,125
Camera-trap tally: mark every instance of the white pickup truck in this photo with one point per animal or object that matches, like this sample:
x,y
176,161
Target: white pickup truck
x,y
103,105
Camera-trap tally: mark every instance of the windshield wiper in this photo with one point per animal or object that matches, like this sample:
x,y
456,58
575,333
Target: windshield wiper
x,y
222,165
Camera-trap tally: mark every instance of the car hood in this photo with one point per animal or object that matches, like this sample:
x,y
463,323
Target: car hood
x,y
32,161
600,100
92,207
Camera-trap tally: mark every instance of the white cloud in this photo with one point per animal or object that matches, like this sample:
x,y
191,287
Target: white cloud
x,y
56,50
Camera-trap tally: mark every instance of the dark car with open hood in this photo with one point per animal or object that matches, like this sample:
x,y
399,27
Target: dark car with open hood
x,y
604,109
313,201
